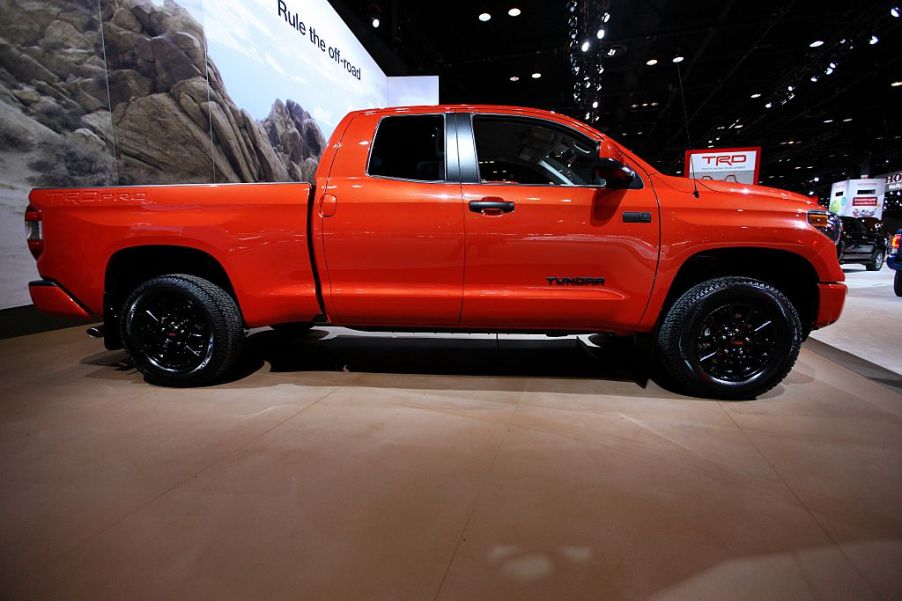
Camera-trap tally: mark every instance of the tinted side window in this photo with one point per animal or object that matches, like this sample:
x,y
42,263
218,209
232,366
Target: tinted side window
x,y
528,151
410,147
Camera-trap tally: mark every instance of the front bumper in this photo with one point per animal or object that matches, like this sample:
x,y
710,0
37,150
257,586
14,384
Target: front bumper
x,y
830,303
49,297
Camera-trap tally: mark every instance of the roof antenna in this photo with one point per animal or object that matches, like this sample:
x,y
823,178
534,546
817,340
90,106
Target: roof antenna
x,y
688,139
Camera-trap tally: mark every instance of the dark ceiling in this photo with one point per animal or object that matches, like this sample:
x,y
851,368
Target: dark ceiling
x,y
845,124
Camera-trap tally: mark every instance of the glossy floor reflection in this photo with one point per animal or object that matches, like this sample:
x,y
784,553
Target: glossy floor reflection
x,y
349,466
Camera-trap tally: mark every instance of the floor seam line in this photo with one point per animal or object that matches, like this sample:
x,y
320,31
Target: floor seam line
x,y
150,502
802,503
485,478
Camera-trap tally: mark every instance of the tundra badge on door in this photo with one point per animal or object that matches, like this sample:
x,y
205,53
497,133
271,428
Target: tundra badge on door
x,y
574,281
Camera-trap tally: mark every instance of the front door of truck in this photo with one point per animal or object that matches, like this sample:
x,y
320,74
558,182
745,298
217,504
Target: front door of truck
x,y
548,247
392,225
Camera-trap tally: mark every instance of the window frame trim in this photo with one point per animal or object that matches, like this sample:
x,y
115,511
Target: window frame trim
x,y
449,147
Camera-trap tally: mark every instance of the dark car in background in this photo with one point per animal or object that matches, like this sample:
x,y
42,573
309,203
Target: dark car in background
x,y
862,241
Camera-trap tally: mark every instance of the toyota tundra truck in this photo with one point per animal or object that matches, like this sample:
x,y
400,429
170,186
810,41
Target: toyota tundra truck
x,y
448,218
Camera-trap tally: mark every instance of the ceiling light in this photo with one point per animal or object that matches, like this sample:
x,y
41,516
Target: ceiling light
x,y
816,43
756,95
485,17
679,59
585,46
654,104
874,39
651,62
739,126
376,22
536,75
607,17
790,88
896,84
600,34
595,105
894,11
514,12
515,78
828,71
817,179
814,78
847,119
828,120
768,105
612,51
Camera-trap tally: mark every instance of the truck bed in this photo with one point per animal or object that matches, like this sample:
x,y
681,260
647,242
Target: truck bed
x,y
256,233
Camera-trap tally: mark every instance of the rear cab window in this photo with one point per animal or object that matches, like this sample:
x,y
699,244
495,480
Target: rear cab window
x,y
409,147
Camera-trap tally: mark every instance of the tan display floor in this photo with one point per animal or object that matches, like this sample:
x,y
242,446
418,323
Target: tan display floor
x,y
533,472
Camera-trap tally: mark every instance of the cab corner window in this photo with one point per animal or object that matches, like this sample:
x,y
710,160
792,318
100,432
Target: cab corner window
x,y
515,150
409,147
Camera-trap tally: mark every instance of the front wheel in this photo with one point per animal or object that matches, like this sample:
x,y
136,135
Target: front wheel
x,y
897,283
730,338
181,330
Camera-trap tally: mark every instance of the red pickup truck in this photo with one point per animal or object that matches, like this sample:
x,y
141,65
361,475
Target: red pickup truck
x,y
448,218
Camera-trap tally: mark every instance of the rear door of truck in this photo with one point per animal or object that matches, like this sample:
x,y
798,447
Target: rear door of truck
x,y
391,224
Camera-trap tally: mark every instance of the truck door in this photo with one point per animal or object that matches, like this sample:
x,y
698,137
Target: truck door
x,y
548,247
392,224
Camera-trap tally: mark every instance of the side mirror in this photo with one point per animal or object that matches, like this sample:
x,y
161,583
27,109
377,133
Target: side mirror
x,y
615,174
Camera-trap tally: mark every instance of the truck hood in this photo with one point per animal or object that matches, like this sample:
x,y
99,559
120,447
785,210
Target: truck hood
x,y
755,191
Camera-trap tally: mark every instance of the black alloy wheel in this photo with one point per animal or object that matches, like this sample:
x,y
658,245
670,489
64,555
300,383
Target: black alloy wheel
x,y
730,338
737,342
181,330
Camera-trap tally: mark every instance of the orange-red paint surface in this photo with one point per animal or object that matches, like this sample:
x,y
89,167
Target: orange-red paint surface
x,y
54,300
410,254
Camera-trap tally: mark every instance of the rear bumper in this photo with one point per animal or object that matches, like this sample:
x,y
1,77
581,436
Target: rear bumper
x,y
49,297
830,304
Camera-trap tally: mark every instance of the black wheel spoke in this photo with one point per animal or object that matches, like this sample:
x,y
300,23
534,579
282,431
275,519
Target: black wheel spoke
x,y
735,341
174,333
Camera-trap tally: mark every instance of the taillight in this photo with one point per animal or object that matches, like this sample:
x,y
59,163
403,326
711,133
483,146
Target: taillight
x,y
34,230
896,240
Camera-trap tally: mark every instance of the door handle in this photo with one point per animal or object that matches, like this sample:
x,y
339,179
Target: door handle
x,y
491,205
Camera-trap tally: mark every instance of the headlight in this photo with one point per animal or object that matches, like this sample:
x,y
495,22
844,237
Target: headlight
x,y
819,219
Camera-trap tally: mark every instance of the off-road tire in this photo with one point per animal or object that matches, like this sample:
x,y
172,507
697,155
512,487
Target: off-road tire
x,y
207,308
680,333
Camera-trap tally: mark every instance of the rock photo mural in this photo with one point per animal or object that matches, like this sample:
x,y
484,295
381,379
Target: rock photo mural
x,y
122,92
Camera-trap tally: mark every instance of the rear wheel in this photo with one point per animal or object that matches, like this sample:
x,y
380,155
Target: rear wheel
x,y
181,330
730,338
876,262
897,283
